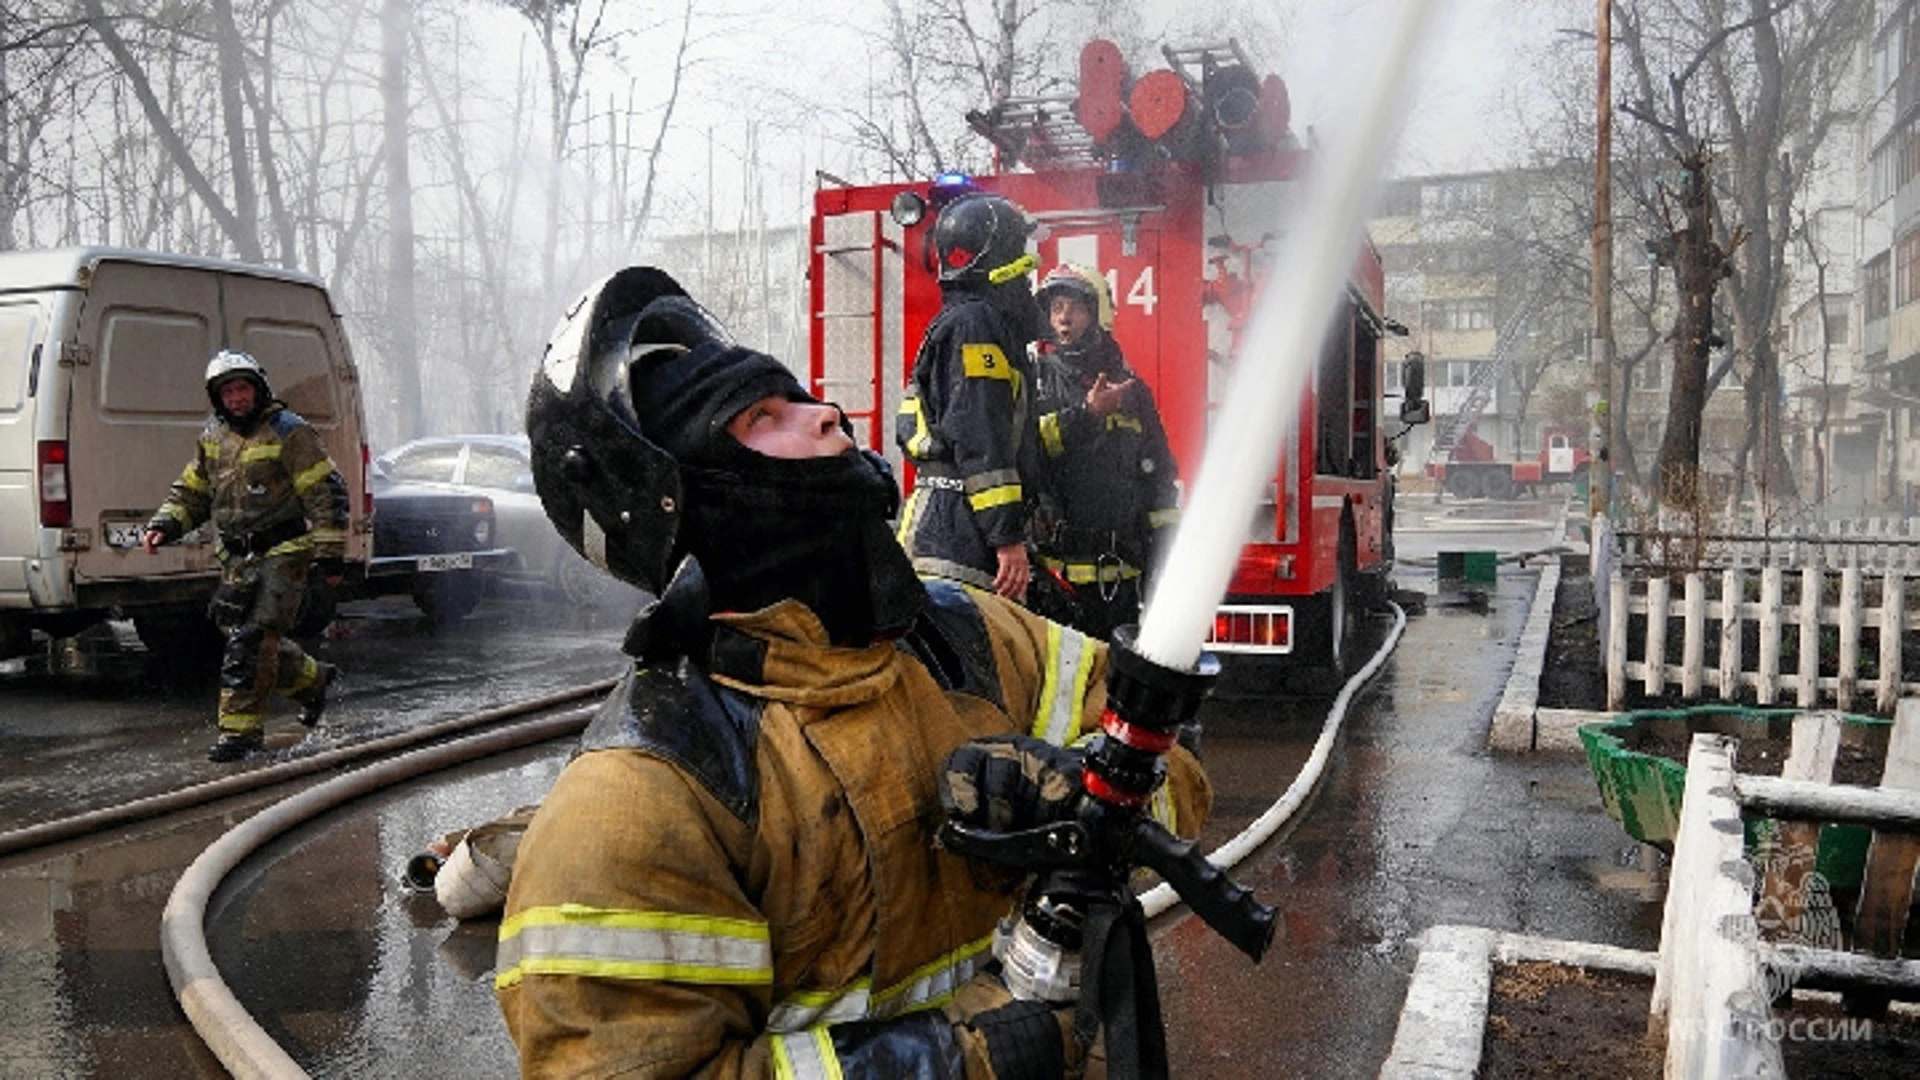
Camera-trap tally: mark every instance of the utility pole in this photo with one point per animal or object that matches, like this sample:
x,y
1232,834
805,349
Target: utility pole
x,y
1605,425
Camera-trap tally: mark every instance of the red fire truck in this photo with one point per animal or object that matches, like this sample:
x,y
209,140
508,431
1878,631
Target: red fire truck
x,y
1173,185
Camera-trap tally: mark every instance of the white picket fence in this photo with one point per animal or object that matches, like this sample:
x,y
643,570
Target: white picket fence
x,y
1870,543
1865,598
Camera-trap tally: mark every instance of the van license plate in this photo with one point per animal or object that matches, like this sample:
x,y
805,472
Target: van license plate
x,y
461,561
124,534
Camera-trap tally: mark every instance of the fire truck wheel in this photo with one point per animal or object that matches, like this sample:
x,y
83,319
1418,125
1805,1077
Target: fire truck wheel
x,y
1499,486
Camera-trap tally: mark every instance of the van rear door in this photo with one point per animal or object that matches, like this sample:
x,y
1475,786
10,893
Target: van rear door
x,y
291,329
138,403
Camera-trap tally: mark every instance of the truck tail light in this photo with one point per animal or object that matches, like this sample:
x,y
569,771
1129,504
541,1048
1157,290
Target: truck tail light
x,y
56,498
1253,629
366,487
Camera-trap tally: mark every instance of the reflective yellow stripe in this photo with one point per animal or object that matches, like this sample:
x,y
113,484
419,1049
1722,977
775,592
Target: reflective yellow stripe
x,y
323,536
210,447
1086,573
1160,519
1050,437
807,1055
922,441
269,452
933,983
663,946
246,723
1000,275
1122,421
907,513
985,362
309,674
1065,687
314,475
806,1008
993,497
178,513
1160,808
303,542
191,479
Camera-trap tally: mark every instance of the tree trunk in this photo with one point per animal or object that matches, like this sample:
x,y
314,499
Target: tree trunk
x,y
1698,264
396,26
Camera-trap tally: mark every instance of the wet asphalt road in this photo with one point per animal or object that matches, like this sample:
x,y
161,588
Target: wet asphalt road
x,y
1414,824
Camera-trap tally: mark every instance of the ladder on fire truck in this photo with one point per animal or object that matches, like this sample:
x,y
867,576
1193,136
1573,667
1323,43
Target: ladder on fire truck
x,y
1486,377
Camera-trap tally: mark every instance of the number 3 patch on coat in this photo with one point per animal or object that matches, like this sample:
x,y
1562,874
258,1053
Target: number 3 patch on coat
x,y
985,362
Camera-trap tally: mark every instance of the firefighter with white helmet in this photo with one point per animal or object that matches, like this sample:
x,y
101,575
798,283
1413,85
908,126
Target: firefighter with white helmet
x,y
1109,473
966,421
736,873
278,506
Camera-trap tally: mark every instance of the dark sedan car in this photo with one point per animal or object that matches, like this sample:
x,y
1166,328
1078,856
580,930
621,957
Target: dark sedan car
x,y
434,544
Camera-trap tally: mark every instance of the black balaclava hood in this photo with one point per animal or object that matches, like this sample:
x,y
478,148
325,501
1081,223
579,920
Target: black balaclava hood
x,y
767,529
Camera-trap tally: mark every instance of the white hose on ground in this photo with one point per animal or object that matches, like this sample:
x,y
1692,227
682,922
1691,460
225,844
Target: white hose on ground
x,y
1227,855
240,1043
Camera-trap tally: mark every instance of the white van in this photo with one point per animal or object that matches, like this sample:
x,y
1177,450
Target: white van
x,y
102,355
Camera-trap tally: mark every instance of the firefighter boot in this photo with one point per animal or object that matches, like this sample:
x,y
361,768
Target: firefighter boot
x,y
234,745
313,703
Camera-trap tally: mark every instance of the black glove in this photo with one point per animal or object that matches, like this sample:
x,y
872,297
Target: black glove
x,y
1010,783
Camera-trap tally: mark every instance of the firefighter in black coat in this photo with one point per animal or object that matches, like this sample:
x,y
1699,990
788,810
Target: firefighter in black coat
x,y
966,422
1107,470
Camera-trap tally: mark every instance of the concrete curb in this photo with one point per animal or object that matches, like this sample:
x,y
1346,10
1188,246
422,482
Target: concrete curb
x,y
1514,717
1445,1015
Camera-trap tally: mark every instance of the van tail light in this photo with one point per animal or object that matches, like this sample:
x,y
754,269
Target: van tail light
x,y
366,487
56,497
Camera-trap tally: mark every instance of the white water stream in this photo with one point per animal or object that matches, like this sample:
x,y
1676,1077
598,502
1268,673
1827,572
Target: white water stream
x,y
1321,238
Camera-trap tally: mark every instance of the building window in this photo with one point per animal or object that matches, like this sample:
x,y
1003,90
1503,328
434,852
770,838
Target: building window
x,y
1906,269
1875,288
1394,383
1460,372
1457,314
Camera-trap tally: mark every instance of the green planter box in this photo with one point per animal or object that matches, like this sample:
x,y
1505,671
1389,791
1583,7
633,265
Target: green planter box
x,y
1641,787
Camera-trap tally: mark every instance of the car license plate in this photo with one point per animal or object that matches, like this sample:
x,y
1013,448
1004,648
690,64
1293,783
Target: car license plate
x,y
124,534
461,561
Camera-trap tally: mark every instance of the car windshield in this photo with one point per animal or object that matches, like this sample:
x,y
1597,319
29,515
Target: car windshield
x,y
429,464
495,467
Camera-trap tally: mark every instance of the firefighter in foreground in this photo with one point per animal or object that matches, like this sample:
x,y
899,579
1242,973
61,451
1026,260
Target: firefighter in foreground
x,y
279,507
736,874
1108,471
966,422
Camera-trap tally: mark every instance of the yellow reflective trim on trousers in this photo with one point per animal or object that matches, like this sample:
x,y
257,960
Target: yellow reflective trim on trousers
x,y
246,723
269,452
922,441
933,983
659,946
1064,689
318,472
1121,421
309,674
996,496
807,1055
191,479
1051,439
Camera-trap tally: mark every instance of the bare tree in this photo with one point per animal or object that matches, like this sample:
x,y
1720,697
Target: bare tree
x,y
1750,92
